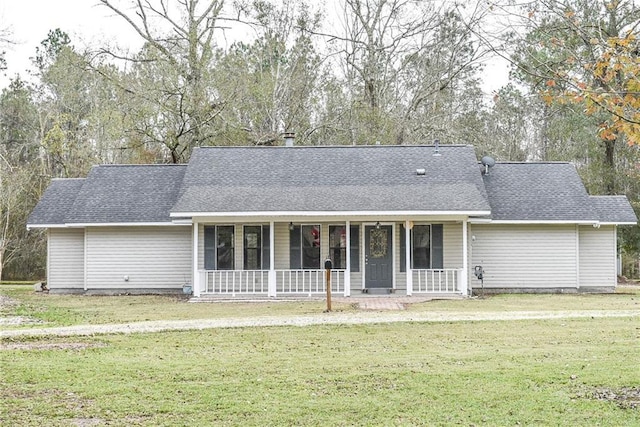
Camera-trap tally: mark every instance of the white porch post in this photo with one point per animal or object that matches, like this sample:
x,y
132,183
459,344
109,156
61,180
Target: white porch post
x,y
464,275
407,256
84,250
272,260
347,273
196,273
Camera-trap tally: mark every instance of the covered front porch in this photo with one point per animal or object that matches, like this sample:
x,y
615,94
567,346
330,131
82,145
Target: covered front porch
x,y
268,258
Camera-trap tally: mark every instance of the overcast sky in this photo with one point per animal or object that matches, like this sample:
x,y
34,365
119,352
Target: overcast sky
x,y
29,21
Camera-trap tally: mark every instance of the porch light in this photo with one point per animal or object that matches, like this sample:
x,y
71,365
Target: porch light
x,y
290,226
378,225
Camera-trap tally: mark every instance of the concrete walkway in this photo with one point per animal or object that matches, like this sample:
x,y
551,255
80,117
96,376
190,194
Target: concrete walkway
x,y
355,318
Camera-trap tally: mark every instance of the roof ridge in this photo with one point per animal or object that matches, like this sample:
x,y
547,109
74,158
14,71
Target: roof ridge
x,y
545,162
66,179
120,165
330,146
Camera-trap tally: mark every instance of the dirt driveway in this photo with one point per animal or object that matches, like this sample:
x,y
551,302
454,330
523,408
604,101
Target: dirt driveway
x,y
364,317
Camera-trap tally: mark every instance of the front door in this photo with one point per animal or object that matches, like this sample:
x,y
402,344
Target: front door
x,y
378,256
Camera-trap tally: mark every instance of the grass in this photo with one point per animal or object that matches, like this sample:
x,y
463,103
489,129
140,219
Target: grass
x,y
474,373
64,310
16,282
537,372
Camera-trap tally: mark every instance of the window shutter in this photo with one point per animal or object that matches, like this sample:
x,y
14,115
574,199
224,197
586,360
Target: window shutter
x,y
209,248
437,256
354,243
266,247
403,249
295,253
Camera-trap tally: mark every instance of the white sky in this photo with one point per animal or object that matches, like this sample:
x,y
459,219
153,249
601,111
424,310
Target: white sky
x,y
89,24
29,22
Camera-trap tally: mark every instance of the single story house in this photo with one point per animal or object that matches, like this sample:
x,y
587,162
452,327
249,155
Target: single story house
x,y
261,221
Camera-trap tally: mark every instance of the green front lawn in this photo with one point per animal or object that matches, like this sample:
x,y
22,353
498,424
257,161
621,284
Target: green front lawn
x,y
62,310
463,373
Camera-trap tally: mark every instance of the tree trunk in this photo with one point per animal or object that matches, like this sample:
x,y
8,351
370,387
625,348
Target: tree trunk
x,y
610,167
1,259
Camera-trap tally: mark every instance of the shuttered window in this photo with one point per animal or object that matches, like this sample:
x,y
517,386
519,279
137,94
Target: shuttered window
x,y
421,247
219,252
304,247
426,247
338,246
256,247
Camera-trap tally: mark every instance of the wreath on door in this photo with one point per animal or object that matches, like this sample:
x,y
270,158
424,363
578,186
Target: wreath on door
x,y
378,243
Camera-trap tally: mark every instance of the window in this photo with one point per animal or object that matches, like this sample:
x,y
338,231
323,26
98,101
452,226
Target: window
x,y
421,247
256,247
304,246
218,247
426,247
338,246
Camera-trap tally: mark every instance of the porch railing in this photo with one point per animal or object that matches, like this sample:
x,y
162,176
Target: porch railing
x,y
236,282
308,281
436,281
256,282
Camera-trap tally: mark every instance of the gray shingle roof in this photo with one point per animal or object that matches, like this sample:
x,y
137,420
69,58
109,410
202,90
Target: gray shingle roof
x,y
111,194
614,209
330,179
120,193
538,192
327,179
56,202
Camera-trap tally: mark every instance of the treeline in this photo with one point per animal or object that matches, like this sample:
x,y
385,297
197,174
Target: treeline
x,y
363,72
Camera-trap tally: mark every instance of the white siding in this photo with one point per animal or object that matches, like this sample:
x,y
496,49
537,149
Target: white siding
x,y
151,257
525,256
356,282
200,246
400,277
452,245
597,256
281,243
66,258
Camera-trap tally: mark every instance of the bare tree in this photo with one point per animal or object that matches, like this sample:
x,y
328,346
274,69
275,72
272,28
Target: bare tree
x,y
271,79
5,40
179,38
398,55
